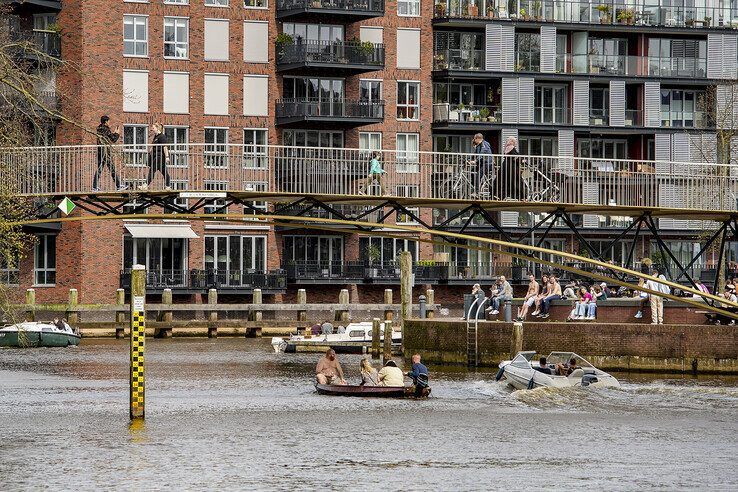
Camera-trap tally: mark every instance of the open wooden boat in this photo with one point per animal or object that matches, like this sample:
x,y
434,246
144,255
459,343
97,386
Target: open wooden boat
x,y
370,391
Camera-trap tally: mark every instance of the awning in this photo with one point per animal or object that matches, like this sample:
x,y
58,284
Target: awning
x,y
169,231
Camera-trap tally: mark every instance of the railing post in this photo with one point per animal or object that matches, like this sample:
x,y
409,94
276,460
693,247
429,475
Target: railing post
x,y
430,299
138,342
120,316
342,315
375,338
388,312
212,314
387,355
72,314
255,315
30,305
165,316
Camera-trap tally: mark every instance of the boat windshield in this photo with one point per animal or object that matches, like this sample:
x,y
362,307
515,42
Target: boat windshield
x,y
564,357
522,360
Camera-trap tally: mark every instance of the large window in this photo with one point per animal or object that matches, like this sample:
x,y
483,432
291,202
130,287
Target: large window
x,y
44,260
313,32
538,145
178,138
608,55
407,152
458,50
134,145
369,142
452,143
312,138
166,257
603,148
386,250
325,94
680,108
235,254
456,94
599,105
216,147
8,271
370,90
408,100
255,148
312,249
176,37
550,104
135,35
528,52
408,8
677,57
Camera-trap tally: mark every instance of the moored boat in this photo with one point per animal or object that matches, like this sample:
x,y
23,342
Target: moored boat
x,y
38,334
520,373
371,391
355,339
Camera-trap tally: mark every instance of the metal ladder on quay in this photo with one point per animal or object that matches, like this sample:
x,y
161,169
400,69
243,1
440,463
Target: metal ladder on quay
x,y
472,332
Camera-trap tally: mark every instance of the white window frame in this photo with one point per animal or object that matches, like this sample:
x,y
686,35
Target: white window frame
x,y
44,269
176,42
408,107
402,191
253,185
135,41
409,3
264,7
180,185
215,151
366,150
130,206
381,89
216,3
408,161
217,206
178,152
177,2
256,156
135,153
227,238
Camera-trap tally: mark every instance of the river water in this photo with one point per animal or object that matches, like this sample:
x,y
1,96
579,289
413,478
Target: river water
x,y
231,414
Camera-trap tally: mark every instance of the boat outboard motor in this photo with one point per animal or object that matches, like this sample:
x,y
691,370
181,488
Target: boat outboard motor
x,y
588,379
500,373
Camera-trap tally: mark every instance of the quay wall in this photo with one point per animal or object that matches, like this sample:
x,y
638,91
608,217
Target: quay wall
x,y
610,346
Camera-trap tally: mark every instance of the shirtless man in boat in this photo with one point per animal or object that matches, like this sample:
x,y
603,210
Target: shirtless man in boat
x,y
566,369
328,370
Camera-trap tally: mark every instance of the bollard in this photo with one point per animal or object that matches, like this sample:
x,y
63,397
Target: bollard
x,y
120,316
508,311
212,315
376,339
388,300
430,299
517,339
406,285
165,316
72,314
421,306
30,302
138,341
387,355
257,315
301,299
341,314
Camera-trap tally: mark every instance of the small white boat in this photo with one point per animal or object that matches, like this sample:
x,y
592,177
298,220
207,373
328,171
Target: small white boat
x,y
520,373
354,340
38,334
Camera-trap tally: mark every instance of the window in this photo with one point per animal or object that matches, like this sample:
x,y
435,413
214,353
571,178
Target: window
x,y
216,205
408,8
179,185
176,97
312,138
235,256
216,3
373,34
134,206
216,94
599,105
407,152
677,57
135,91
259,205
255,4
216,147
388,249
452,143
608,55
178,138
369,142
562,56
312,249
134,145
255,148
255,95
44,260
216,39
535,145
370,90
256,42
9,271
458,50
407,191
602,148
42,22
408,100
326,94
528,52
408,48
317,33
135,35
681,108
177,2
550,104
176,37
162,256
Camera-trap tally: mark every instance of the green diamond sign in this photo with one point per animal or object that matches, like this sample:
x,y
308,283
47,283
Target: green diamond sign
x,y
66,206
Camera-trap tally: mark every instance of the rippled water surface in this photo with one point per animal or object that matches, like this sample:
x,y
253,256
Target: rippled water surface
x,y
231,414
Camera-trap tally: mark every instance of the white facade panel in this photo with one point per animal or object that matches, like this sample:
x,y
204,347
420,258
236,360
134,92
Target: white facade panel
x,y
581,103
408,48
216,93
617,103
548,49
135,91
566,150
255,95
652,104
256,42
217,39
509,100
526,97
176,92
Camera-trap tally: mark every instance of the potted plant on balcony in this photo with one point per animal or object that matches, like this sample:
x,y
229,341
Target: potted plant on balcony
x,y
366,48
708,21
538,10
441,9
626,16
374,254
283,39
605,16
523,14
484,114
462,114
491,11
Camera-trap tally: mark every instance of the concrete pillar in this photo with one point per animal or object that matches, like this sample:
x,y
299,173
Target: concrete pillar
x,y
406,285
342,315
421,307
301,299
138,342
430,299
387,353
120,316
212,315
507,310
388,300
517,339
165,316
375,338
255,315
72,315
31,303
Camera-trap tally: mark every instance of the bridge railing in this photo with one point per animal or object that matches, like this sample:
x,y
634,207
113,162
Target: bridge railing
x,y
339,171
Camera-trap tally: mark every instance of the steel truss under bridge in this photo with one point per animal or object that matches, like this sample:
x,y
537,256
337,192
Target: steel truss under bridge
x,y
618,274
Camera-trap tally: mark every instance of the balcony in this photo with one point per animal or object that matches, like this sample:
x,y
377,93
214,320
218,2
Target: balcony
x,y
357,9
458,59
199,281
344,111
687,119
599,117
351,55
632,66
38,43
466,114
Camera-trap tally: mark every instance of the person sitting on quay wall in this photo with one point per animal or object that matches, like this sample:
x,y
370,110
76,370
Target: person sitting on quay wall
x,y
581,305
328,370
505,294
530,297
369,375
729,295
477,295
545,286
555,294
643,296
391,375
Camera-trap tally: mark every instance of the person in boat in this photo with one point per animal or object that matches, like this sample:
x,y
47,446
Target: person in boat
x,y
391,375
418,369
341,329
315,329
566,369
59,324
328,370
543,366
327,327
369,375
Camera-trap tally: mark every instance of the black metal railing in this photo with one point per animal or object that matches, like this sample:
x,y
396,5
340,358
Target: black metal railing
x,y
331,53
45,42
209,279
340,108
389,271
359,6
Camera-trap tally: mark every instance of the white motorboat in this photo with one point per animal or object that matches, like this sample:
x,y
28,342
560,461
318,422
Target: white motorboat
x,y
520,373
39,334
355,339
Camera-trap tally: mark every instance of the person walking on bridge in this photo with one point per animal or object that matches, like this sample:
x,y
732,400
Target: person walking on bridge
x,y
509,182
483,162
159,157
375,174
105,139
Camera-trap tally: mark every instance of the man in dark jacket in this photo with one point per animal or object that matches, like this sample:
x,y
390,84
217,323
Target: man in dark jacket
x,y
483,162
105,139
419,375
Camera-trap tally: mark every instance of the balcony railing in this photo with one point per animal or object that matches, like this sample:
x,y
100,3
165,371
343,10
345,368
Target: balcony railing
x,y
201,280
633,117
45,42
599,117
632,66
471,60
388,271
686,119
453,113
368,8
331,53
636,12
309,109
60,171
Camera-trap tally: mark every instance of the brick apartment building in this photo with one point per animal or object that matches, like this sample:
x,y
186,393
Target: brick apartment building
x,y
623,80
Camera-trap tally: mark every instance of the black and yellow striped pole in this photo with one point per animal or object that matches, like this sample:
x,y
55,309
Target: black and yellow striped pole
x,y
138,341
